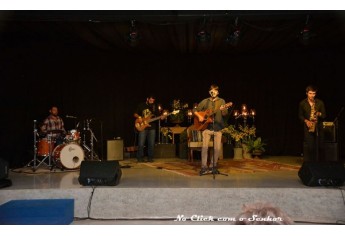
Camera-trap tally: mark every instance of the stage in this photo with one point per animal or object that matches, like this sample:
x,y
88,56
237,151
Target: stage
x,y
149,194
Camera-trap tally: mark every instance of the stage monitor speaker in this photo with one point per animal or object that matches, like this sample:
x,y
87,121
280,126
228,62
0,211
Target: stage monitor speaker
x,y
97,173
3,169
331,151
322,173
115,150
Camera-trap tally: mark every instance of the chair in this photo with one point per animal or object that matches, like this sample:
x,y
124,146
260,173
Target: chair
x,y
194,140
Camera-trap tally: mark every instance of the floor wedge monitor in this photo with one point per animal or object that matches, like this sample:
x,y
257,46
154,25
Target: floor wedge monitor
x,y
322,173
100,173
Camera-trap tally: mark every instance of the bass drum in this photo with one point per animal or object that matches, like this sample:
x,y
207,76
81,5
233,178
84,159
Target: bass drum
x,y
68,156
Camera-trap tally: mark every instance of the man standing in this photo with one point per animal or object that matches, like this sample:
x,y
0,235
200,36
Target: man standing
x,y
210,113
147,129
311,113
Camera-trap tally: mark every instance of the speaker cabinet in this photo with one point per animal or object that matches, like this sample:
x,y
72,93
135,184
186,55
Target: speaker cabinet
x,y
329,132
165,150
115,150
97,173
322,173
331,151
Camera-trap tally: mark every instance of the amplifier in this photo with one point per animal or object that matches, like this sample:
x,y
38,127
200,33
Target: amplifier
x,y
115,150
329,132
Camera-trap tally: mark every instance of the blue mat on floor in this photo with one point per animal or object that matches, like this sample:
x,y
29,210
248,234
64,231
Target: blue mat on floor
x,y
37,212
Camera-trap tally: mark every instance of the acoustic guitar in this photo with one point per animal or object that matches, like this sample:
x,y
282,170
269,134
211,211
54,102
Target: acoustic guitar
x,y
208,117
145,122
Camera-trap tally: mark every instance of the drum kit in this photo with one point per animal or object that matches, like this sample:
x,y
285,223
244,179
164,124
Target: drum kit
x,y
64,150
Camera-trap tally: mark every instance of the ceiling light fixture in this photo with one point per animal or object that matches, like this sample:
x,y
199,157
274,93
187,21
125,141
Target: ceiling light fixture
x,y
133,35
305,34
203,36
234,36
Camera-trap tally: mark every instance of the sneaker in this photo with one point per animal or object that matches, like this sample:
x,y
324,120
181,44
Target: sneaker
x,y
203,171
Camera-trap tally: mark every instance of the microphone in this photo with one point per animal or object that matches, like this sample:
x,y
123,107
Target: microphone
x,y
72,117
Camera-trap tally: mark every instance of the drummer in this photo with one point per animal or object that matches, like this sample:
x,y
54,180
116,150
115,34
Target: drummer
x,y
53,125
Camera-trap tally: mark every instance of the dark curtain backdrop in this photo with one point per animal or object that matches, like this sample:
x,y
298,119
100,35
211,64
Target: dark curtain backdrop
x,y
105,85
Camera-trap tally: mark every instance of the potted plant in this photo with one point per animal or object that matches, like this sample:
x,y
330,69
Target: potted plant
x,y
256,146
177,118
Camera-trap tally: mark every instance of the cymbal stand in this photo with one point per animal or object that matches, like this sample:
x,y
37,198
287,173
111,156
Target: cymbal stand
x,y
34,147
92,136
84,138
90,149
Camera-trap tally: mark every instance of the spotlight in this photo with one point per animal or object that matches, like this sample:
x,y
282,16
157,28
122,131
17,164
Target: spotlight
x,y
133,35
306,34
203,36
234,37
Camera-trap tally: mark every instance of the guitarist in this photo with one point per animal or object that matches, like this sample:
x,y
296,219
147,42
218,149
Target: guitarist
x,y
215,107
147,133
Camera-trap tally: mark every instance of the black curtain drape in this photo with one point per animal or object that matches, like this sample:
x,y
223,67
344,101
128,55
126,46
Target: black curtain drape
x,y
44,63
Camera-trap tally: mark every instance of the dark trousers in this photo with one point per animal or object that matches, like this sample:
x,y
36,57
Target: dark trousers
x,y
313,147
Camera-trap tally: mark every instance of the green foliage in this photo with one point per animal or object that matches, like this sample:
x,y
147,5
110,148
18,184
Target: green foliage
x,y
256,144
240,133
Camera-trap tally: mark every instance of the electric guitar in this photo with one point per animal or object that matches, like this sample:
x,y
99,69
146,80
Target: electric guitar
x,y
208,117
145,122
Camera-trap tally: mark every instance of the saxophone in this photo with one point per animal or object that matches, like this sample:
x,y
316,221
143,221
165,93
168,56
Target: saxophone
x,y
312,118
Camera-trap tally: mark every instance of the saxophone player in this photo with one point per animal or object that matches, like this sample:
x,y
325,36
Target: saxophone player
x,y
311,113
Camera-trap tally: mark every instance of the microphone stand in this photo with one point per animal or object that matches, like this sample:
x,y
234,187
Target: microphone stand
x,y
336,122
35,148
338,137
159,131
102,140
317,138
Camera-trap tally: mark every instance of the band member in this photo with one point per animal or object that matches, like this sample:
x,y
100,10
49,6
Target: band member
x,y
147,129
53,125
311,113
217,107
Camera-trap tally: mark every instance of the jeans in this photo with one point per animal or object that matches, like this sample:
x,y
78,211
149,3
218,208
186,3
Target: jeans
x,y
150,136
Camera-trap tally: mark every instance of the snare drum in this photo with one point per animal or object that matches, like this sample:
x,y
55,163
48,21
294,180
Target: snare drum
x,y
69,155
73,136
43,147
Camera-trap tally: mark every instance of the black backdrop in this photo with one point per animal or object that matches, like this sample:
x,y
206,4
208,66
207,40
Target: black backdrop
x,y
106,85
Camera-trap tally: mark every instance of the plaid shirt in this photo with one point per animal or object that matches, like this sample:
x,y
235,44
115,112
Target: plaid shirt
x,y
52,123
